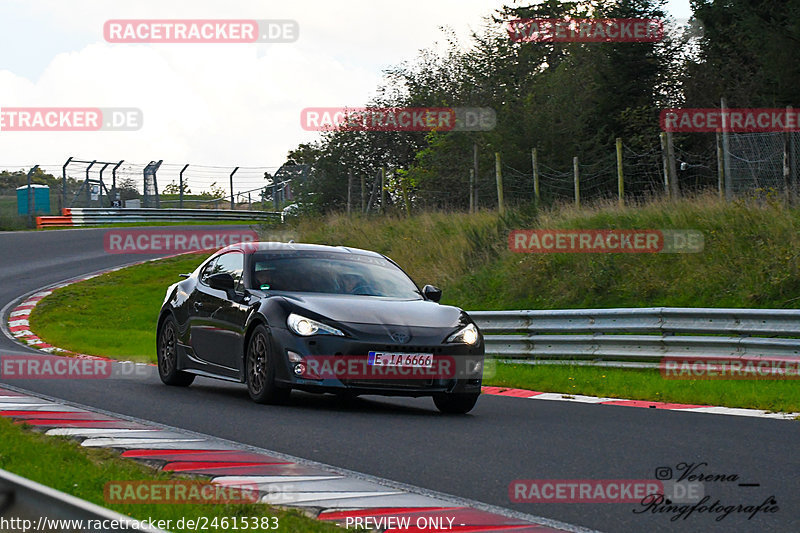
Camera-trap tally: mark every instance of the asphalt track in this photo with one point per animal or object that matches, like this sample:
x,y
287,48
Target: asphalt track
x,y
406,440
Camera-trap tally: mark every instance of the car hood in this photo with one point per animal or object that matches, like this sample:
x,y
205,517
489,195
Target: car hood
x,y
374,310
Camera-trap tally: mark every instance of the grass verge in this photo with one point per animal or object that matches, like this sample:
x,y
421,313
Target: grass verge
x,y
64,465
645,384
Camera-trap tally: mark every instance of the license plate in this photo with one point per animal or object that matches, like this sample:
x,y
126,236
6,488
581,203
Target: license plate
x,y
412,360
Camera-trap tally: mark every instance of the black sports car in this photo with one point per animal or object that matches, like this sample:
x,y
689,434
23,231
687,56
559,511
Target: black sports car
x,y
283,316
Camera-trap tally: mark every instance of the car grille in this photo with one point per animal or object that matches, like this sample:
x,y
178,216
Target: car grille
x,y
390,383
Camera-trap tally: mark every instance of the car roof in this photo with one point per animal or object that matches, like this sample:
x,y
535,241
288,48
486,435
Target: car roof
x,y
269,246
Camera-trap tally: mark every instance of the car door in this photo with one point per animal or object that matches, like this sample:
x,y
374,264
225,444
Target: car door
x,y
218,325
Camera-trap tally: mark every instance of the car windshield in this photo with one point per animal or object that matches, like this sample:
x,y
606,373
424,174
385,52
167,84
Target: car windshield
x,y
331,273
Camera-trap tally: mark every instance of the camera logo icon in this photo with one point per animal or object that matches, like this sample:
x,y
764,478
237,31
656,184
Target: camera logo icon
x,y
663,473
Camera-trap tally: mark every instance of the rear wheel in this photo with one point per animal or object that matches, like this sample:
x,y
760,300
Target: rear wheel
x,y
167,354
260,370
455,404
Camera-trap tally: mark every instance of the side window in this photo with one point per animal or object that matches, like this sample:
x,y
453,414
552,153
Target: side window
x,y
231,263
208,270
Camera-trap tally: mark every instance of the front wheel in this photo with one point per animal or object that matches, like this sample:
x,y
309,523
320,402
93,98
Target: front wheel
x,y
454,403
167,354
260,370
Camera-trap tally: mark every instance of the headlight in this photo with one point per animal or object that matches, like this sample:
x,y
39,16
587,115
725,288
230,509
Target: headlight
x,y
466,335
305,326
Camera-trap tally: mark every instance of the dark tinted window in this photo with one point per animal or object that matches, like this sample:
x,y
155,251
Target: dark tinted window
x,y
332,273
207,271
231,263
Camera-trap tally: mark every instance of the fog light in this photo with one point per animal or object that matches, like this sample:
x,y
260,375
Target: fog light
x,y
299,369
294,357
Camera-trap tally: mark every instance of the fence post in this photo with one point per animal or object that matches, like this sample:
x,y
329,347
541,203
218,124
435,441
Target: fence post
x,y
472,190
498,172
726,151
404,190
232,203
363,194
720,168
180,202
383,190
576,172
102,185
665,162
88,187
31,204
475,170
787,161
64,184
674,191
349,189
114,192
620,179
535,164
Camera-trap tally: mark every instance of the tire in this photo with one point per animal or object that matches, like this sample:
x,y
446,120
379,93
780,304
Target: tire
x,y
455,404
260,370
167,354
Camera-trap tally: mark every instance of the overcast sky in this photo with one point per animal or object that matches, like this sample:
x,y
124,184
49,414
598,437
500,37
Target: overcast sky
x,y
208,104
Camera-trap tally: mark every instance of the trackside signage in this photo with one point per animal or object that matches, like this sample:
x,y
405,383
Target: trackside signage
x,y
625,241
160,240
555,30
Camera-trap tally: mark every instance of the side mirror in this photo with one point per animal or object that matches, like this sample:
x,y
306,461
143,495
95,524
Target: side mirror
x,y
222,281
432,293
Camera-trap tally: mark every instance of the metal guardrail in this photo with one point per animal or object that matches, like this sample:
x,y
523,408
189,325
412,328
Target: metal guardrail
x,y
79,217
26,503
645,334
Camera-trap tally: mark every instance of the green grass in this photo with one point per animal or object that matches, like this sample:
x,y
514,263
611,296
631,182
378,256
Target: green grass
x,y
64,465
642,384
